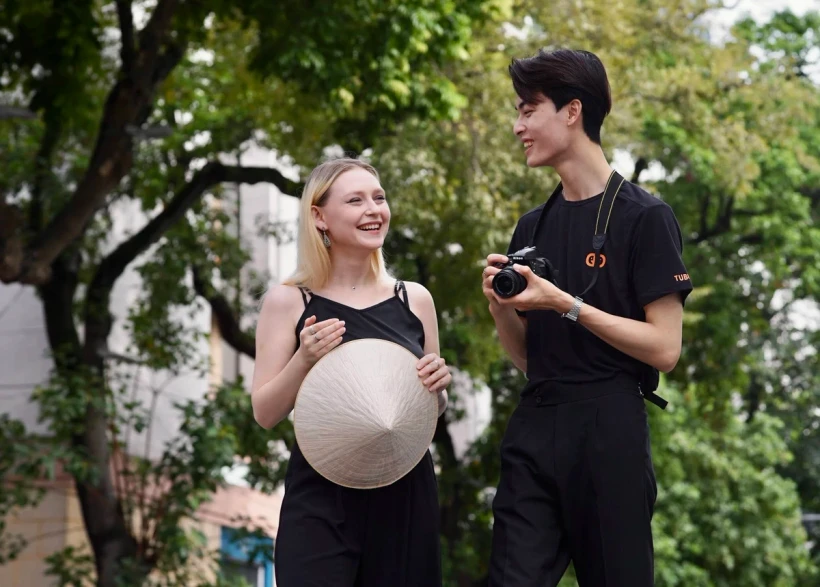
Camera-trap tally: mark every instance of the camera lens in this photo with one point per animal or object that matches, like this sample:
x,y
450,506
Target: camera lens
x,y
508,283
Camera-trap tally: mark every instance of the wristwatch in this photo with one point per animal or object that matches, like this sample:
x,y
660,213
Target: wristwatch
x,y
574,311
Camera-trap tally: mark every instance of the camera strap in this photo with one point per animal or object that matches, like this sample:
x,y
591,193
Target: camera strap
x,y
613,186
598,239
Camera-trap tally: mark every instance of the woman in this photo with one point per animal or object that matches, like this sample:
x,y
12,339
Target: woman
x,y
328,534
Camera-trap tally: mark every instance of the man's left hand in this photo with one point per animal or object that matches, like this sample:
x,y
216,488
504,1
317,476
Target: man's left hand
x,y
539,294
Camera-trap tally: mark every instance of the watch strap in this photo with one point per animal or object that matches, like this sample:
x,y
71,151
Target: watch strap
x,y
574,311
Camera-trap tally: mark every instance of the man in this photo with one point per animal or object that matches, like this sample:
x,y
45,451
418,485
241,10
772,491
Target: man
x,y
591,332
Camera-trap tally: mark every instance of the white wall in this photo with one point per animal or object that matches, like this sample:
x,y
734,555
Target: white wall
x,y
476,401
261,204
24,362
25,356
157,390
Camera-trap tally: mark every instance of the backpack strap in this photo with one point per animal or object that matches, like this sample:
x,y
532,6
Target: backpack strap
x,y
401,292
653,397
647,385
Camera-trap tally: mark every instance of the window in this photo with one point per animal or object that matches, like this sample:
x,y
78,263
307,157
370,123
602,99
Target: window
x,y
247,556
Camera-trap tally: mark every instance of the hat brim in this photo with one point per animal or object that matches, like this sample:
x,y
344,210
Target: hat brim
x,y
362,417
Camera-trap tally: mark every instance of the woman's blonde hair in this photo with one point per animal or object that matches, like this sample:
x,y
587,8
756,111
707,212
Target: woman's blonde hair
x,y
313,258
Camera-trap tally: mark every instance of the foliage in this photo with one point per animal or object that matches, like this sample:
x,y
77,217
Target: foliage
x,y
71,567
728,134
725,516
25,460
134,116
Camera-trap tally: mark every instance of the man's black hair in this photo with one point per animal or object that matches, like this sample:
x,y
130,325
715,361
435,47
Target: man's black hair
x,y
564,75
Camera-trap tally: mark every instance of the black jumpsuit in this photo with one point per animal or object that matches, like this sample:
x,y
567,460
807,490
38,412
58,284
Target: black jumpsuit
x,y
334,536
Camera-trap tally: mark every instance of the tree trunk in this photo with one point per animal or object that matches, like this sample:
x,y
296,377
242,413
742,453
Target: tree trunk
x,y
451,512
754,396
107,531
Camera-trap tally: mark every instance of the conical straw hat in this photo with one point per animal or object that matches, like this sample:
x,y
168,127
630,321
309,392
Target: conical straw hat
x,y
362,418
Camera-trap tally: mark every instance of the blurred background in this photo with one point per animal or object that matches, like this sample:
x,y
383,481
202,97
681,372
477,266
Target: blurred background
x,y
151,160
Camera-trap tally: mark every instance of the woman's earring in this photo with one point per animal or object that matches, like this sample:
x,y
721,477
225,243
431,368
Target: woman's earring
x,y
325,239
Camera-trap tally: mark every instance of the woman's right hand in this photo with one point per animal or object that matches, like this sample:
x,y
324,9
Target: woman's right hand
x,y
317,340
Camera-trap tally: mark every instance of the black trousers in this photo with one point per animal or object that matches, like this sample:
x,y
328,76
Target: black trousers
x,y
333,536
577,483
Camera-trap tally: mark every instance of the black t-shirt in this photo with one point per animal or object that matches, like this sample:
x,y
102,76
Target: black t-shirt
x,y
642,264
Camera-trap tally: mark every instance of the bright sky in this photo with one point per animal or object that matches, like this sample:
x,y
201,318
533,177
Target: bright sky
x,y
764,8
759,10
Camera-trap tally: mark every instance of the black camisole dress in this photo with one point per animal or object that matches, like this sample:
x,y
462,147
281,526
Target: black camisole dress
x,y
334,536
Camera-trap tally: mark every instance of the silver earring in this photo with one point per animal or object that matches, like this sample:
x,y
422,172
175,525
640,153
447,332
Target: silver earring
x,y
325,239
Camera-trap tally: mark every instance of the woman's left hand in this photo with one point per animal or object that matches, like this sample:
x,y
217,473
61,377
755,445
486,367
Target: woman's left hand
x,y
434,372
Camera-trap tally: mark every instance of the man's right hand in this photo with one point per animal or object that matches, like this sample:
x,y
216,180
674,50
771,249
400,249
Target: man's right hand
x,y
487,279
512,330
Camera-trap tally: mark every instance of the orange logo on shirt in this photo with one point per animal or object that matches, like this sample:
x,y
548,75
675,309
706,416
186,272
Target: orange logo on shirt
x,y
591,260
682,277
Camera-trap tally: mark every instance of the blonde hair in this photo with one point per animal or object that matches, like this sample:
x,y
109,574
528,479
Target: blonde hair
x,y
313,258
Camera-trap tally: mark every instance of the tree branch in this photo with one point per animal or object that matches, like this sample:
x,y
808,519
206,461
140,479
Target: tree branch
x,y
12,229
226,319
58,303
11,112
640,166
128,103
12,251
722,224
752,239
152,37
166,63
754,395
444,443
97,314
812,193
450,512
127,47
704,214
119,358
42,167
726,213
212,174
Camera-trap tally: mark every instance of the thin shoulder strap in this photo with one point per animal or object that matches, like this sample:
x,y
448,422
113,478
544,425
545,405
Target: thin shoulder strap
x,y
305,292
401,292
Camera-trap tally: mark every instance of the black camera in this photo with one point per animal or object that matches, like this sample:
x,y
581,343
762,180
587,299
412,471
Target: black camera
x,y
508,282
